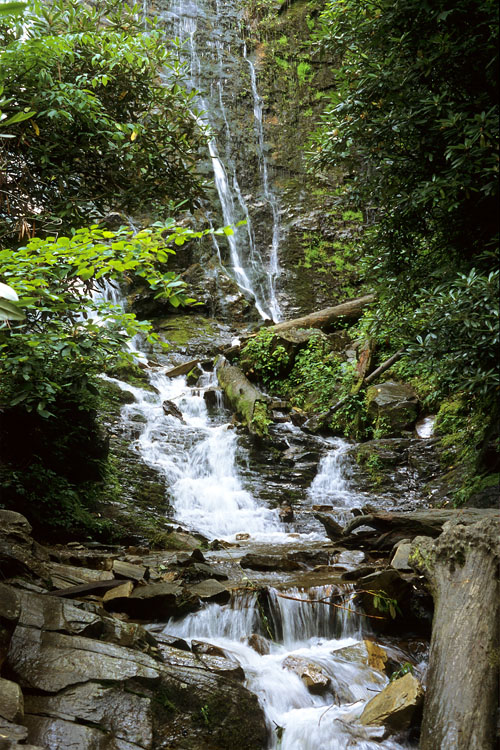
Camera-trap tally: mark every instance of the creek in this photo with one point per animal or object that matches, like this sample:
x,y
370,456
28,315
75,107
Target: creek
x,y
214,484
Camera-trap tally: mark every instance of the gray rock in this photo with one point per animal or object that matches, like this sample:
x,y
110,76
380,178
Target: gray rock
x,y
11,701
311,674
10,609
259,644
123,569
400,558
210,590
58,734
19,554
268,562
393,406
51,661
125,715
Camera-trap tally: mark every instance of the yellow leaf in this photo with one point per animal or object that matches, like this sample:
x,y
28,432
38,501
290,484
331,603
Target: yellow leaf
x,y
35,127
134,135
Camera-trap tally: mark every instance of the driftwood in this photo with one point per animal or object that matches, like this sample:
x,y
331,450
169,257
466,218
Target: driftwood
x,y
462,680
389,528
246,400
383,367
350,310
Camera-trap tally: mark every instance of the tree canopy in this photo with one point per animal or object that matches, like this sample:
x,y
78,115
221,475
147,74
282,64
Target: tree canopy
x,y
413,121
98,118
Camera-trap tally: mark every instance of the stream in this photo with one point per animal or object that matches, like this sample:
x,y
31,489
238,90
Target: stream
x,y
200,459
213,484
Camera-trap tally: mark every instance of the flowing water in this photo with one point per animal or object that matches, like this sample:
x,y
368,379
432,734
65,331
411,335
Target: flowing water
x,y
315,626
212,47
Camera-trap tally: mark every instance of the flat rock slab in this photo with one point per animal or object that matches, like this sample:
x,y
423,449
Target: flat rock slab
x,y
182,369
210,590
58,734
395,706
52,661
126,715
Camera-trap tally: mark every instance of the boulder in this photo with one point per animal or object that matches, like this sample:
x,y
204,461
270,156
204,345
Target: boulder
x,y
10,609
392,406
396,706
19,554
156,601
210,591
400,558
11,701
311,674
130,571
170,409
259,644
268,562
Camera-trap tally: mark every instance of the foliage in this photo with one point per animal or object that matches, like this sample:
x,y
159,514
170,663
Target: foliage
x,y
109,126
68,335
264,358
314,378
414,122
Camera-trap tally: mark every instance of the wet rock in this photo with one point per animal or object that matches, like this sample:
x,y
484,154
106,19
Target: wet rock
x,y
286,514
182,369
156,601
203,647
172,410
194,375
400,558
393,406
259,644
202,571
396,705
118,593
61,735
11,734
10,609
64,576
211,397
172,641
51,661
19,554
210,590
131,571
127,716
268,562
312,676
11,701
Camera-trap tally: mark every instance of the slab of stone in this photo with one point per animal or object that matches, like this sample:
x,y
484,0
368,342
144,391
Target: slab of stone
x,y
210,590
58,734
10,609
268,562
128,570
52,661
119,592
11,701
182,369
400,557
311,674
72,575
395,706
125,715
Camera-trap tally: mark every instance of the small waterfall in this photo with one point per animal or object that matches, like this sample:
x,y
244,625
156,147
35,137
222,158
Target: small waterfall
x,y
330,485
297,718
212,42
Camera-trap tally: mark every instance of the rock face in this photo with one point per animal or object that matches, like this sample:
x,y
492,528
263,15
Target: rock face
x,y
396,705
393,407
81,678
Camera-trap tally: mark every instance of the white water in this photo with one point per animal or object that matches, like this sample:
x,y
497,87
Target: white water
x,y
254,269
198,460
331,485
298,719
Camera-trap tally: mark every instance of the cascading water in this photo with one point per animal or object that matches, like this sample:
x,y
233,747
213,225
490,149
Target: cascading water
x,y
211,40
330,485
298,718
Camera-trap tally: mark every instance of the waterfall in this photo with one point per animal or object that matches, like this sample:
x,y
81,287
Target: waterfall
x,y
211,43
297,718
330,485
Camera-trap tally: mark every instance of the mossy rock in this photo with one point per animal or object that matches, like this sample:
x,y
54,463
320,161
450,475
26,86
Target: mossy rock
x,y
393,408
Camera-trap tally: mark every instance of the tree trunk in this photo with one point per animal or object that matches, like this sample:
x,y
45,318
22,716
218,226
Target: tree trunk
x,y
462,685
389,528
246,400
350,310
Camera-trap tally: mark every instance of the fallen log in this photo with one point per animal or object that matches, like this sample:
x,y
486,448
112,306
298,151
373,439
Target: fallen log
x,y
389,528
462,679
246,400
350,310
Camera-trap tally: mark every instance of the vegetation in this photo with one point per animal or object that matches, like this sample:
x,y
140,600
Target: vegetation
x,y
414,121
98,118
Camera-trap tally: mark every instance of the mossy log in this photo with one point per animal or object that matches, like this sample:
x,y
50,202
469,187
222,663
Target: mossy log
x,y
389,528
461,567
350,310
247,401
